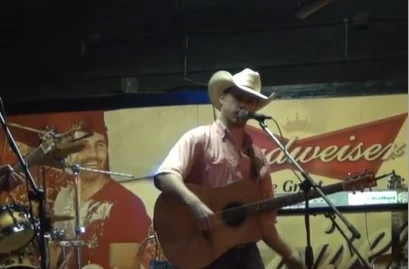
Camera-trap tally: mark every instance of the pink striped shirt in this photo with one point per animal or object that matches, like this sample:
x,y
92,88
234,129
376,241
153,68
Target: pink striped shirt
x,y
208,155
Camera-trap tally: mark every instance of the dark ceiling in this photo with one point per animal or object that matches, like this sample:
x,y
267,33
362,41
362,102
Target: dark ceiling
x,y
84,48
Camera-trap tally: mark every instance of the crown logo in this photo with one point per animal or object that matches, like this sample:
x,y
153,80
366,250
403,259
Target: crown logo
x,y
297,125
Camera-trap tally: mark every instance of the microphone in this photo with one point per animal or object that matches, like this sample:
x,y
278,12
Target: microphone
x,y
245,115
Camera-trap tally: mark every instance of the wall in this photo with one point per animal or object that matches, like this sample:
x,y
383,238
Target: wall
x,y
119,45
137,140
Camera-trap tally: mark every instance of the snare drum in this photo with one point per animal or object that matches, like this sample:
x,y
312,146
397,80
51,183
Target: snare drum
x,y
16,230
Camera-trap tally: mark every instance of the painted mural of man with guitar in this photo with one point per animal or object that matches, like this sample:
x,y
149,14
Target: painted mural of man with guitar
x,y
205,169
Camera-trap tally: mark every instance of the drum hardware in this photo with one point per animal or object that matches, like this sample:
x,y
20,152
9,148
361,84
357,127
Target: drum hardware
x,y
72,243
61,152
23,259
57,235
80,168
59,146
55,218
16,230
78,243
49,141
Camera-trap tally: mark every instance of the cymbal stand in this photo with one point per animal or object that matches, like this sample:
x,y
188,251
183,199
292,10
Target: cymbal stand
x,y
81,168
77,243
35,193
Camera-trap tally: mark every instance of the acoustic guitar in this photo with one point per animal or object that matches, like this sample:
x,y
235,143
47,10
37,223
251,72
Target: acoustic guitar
x,y
237,207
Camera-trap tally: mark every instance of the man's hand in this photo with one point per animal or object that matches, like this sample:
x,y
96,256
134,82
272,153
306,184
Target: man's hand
x,y
173,183
203,214
294,263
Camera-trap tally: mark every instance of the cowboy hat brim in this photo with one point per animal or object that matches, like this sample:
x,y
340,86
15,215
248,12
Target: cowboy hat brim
x,y
223,80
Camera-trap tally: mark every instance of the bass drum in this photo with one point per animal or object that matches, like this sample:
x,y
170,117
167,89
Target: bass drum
x,y
27,258
16,230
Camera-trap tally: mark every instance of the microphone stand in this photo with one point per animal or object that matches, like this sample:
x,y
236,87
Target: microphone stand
x,y
351,246
306,185
36,193
77,243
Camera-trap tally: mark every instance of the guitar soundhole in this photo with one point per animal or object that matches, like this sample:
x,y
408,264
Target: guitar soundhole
x,y
233,216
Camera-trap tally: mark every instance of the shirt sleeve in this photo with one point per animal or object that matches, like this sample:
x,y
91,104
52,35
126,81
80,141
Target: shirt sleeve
x,y
183,154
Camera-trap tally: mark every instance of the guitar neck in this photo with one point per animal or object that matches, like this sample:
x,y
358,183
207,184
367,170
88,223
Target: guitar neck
x,y
34,156
276,203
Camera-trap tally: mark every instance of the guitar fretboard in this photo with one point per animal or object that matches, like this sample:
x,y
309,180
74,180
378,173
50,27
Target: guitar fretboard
x,y
276,203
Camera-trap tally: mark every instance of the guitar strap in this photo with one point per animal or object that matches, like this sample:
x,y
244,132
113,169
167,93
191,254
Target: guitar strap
x,y
256,158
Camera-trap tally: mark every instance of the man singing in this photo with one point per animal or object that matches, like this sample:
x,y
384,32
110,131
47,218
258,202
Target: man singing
x,y
220,154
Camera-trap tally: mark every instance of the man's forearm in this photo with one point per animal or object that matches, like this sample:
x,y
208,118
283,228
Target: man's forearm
x,y
273,240
172,183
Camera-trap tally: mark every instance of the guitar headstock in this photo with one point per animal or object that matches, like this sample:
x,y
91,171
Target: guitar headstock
x,y
360,181
395,182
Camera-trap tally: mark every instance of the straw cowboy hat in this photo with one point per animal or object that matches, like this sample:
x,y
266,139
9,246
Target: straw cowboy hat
x,y
247,80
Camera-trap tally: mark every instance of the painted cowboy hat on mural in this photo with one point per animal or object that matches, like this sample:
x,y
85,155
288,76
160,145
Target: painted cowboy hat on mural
x,y
247,80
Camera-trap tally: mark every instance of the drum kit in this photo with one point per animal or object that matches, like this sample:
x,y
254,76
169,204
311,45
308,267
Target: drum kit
x,y
22,234
18,237
18,246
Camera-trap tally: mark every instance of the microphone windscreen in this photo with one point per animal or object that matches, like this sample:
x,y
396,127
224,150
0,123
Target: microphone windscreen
x,y
243,114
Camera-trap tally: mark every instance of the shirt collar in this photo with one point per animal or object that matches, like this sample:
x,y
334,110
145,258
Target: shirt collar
x,y
223,132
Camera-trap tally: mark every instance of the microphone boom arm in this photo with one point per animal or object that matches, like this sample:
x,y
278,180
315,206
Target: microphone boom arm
x,y
306,185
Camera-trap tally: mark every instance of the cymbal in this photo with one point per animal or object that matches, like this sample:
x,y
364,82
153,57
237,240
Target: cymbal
x,y
63,150
54,218
60,153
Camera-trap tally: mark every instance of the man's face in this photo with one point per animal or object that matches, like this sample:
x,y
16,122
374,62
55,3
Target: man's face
x,y
93,156
232,101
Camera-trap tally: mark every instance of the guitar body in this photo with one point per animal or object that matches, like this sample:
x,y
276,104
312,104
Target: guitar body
x,y
184,245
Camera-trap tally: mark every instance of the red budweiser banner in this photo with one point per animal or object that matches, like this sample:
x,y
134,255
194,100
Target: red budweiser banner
x,y
334,154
